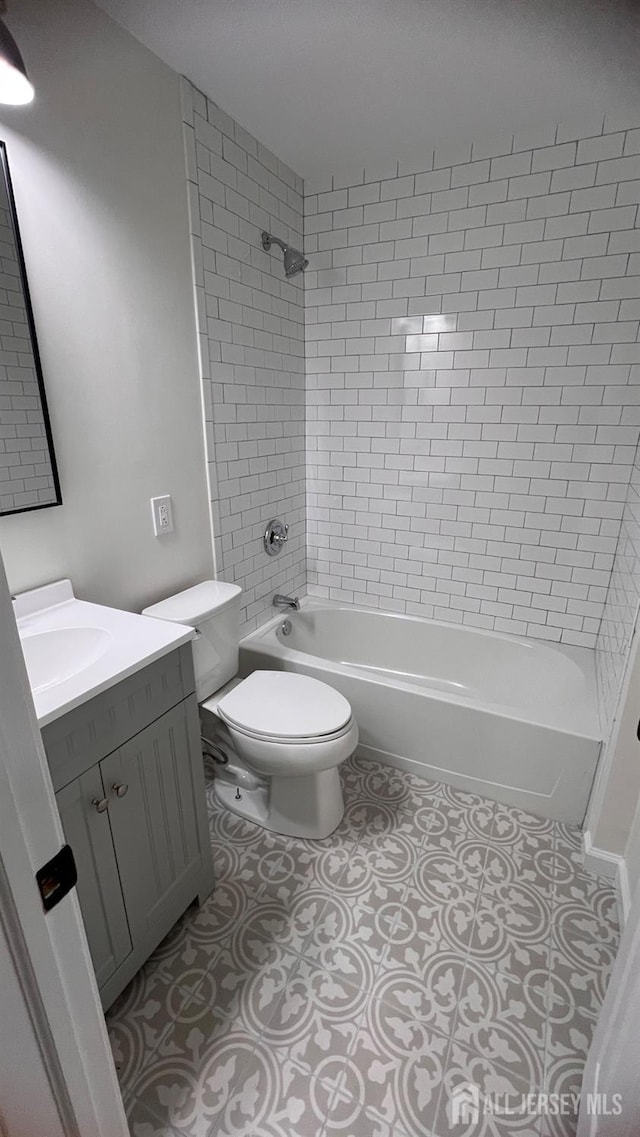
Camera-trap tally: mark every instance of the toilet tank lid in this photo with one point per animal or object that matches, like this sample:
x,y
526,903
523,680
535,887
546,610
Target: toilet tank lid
x,y
195,604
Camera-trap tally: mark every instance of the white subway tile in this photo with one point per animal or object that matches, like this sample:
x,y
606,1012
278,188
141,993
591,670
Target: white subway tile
x,y
490,347
618,170
605,220
511,166
529,185
600,149
397,187
596,197
554,157
573,177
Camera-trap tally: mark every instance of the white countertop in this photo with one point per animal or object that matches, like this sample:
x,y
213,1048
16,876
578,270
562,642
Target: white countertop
x,y
115,644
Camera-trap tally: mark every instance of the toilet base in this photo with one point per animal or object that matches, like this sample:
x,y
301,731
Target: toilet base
x,y
249,803
309,806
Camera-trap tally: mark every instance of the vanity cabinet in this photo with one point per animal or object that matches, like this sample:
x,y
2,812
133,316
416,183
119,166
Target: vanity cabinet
x,y
89,834
128,773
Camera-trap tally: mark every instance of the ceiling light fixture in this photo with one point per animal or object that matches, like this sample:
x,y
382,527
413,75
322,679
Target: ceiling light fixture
x,y
16,88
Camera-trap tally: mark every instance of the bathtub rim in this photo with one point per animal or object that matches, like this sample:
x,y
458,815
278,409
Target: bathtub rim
x,y
581,657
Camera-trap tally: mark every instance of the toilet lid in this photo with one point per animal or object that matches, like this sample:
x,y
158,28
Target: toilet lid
x,y
280,704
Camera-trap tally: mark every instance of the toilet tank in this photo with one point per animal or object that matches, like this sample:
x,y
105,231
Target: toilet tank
x,y
213,609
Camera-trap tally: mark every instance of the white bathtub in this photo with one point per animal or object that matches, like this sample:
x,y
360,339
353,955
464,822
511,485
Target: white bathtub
x,y
513,719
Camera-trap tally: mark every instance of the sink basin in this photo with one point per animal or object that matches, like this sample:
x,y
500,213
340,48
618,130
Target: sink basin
x,y
56,655
75,650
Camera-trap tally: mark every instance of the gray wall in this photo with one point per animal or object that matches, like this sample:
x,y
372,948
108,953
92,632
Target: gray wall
x,y
98,171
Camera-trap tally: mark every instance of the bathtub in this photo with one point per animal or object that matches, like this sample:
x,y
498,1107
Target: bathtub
x,y
510,718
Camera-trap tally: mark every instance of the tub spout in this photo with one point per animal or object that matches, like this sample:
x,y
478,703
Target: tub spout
x,y
280,601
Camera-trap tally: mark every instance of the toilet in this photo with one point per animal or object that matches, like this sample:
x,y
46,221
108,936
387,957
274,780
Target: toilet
x,y
278,737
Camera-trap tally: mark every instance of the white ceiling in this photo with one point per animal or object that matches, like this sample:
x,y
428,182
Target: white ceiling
x,y
332,84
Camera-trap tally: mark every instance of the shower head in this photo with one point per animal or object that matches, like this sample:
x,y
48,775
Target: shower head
x,y
294,261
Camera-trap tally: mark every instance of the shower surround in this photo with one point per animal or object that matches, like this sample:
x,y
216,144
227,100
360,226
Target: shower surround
x,y
472,379
470,326
251,337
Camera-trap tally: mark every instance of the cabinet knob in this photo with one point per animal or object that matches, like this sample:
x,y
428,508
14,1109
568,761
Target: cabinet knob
x,y
120,788
101,803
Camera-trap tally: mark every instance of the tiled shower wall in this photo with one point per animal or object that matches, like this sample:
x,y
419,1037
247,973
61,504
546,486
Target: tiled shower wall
x,y
621,607
473,373
478,475
251,330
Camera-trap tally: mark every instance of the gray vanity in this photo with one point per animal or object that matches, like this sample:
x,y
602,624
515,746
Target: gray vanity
x,y
115,699
127,770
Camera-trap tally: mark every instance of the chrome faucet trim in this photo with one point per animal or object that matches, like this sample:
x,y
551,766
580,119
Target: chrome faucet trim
x,y
280,601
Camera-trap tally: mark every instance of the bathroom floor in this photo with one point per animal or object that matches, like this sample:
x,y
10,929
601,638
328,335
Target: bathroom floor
x,y
345,988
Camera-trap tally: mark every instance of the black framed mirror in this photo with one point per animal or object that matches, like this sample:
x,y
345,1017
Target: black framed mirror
x,y
28,472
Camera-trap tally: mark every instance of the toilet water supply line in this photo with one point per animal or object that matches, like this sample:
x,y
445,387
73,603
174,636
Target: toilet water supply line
x,y
213,751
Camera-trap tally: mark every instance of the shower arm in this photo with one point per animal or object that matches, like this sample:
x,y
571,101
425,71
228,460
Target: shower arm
x,y
268,240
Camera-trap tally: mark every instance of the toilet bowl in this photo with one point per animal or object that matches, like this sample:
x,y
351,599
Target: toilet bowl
x,y
281,736
293,732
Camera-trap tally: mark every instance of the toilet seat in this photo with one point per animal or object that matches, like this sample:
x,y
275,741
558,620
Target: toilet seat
x,y
281,706
284,739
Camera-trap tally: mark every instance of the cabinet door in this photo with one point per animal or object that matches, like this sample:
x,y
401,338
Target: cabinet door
x,y
154,822
99,893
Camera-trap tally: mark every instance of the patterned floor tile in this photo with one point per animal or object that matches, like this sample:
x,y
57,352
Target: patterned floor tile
x,y
371,781
583,948
225,910
349,1118
139,1019
512,939
187,953
144,1124
274,1099
568,863
467,1068
564,1078
568,838
347,987
439,911
531,895
506,866
370,819
411,955
364,922
580,969
227,828
502,1020
189,1081
314,1021
245,986
427,989
595,897
476,814
448,817
396,1068
455,857
569,1033
345,836
566,1126
285,868
523,832
391,863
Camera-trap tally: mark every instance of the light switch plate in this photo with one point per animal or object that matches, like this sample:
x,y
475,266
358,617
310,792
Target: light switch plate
x,y
162,514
